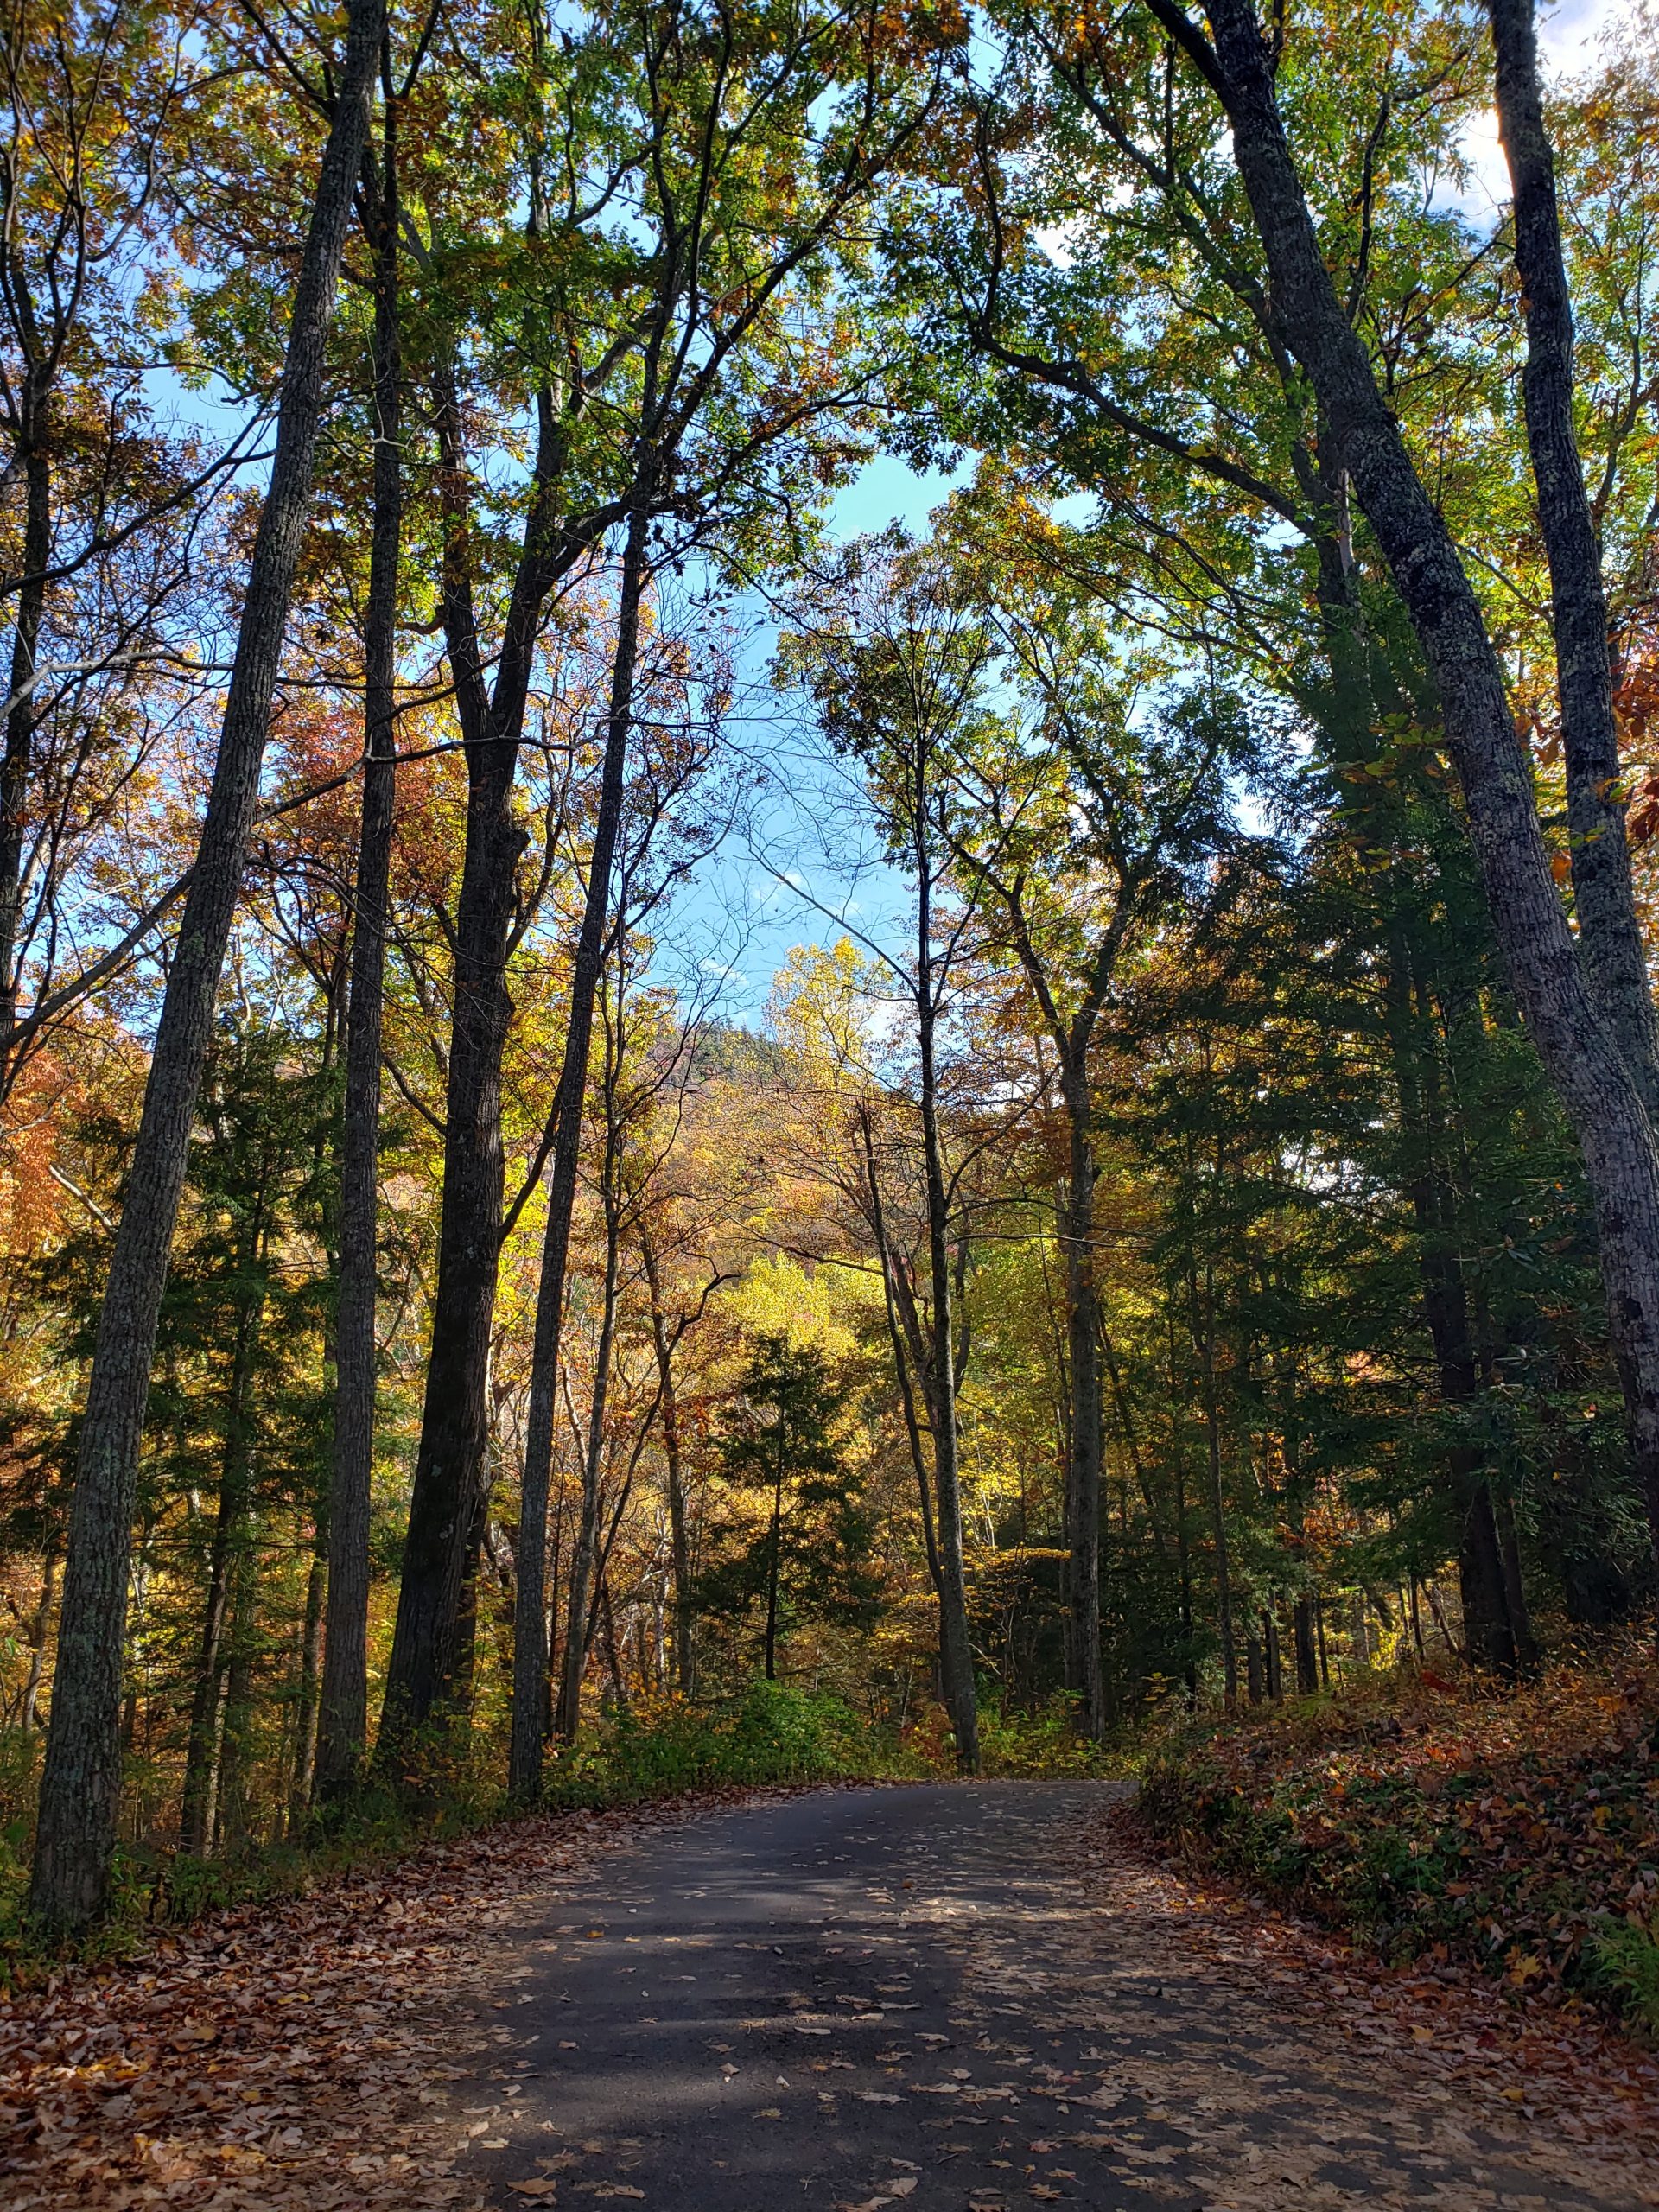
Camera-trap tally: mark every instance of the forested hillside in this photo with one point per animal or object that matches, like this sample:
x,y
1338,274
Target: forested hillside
x,y
828,857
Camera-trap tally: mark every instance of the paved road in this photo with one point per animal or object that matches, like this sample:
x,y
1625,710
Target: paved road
x,y
906,1997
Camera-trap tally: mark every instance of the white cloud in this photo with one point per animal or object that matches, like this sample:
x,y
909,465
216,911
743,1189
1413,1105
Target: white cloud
x,y
1568,36
1569,39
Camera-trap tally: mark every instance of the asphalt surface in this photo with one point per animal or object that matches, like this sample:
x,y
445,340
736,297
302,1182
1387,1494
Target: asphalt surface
x,y
906,1997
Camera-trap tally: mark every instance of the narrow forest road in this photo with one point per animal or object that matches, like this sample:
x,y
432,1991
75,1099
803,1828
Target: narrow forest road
x,y
919,1997
938,1997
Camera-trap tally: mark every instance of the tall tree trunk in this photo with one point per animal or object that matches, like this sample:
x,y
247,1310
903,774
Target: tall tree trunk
x,y
591,1555
586,1561
233,1824
679,1537
1253,1679
774,1551
1083,1339
344,1718
956,1647
1515,1592
17,762
1488,1637
1203,1342
530,1616
1308,1658
306,1716
1581,1051
31,1709
450,1492
1610,935
451,1466
201,1753
230,1541
901,1365
80,1787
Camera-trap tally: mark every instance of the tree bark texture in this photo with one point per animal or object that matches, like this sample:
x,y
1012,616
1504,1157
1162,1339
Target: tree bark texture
x,y
1083,1471
201,1752
80,1785
1581,1051
17,761
530,1616
955,1647
900,1361
1610,935
1308,1658
1204,1342
343,1717
590,1557
309,1708
774,1553
679,1534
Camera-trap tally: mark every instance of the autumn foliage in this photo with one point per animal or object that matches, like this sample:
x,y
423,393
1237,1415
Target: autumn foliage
x,y
1443,1819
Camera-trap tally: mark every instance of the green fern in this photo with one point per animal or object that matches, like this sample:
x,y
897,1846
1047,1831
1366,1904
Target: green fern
x,y
1627,1956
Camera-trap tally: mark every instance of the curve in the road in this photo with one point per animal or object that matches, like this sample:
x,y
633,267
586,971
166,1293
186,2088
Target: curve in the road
x,y
906,1997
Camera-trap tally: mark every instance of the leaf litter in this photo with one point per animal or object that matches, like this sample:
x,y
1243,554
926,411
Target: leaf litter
x,y
297,2058
1209,2050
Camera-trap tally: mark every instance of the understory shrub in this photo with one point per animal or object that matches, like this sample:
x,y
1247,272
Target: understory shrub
x,y
1043,1745
1436,1819
773,1732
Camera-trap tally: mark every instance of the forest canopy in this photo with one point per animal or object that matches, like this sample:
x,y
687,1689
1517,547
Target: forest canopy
x,y
629,1062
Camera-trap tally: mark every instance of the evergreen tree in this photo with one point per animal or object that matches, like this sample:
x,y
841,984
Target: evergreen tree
x,y
810,1559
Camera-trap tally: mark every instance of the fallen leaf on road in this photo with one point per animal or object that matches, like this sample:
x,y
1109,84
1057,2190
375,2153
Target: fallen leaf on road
x,y
180,2079
534,2188
877,2097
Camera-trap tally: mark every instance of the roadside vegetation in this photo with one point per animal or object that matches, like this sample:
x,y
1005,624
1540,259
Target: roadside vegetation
x,y
1441,1818
800,978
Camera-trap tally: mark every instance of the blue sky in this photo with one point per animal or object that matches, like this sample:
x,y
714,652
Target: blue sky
x,y
737,923
747,909
741,955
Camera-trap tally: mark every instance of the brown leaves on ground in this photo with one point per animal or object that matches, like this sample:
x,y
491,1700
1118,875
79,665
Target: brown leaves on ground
x,y
1561,2066
311,2056
1448,1819
287,2056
